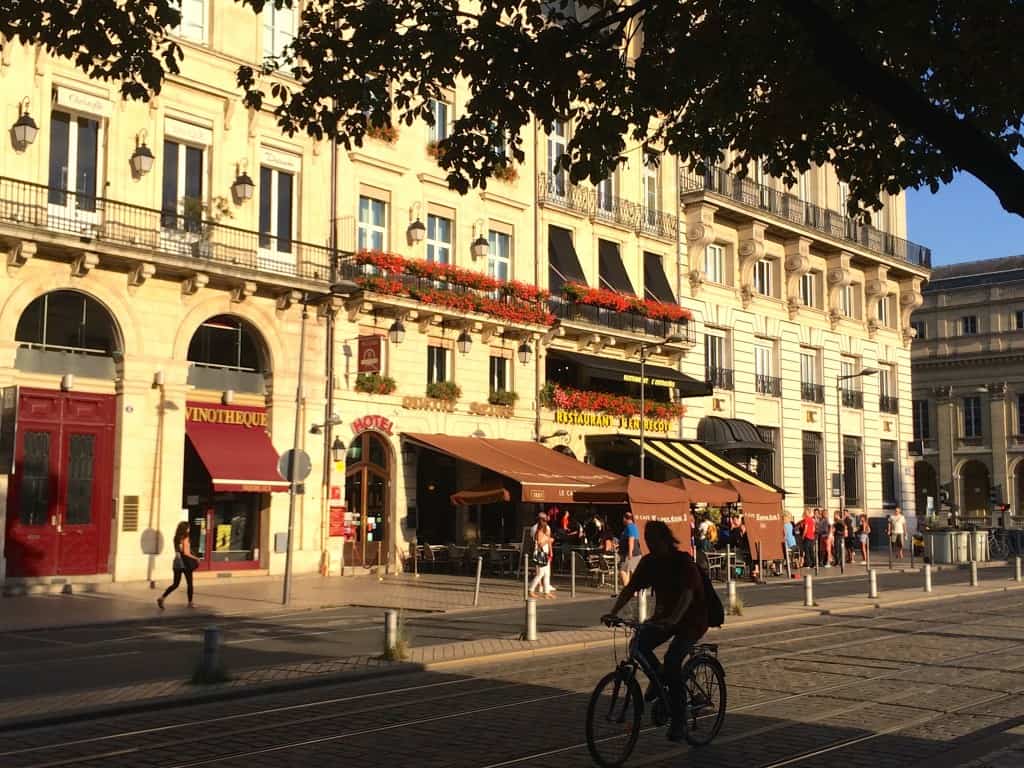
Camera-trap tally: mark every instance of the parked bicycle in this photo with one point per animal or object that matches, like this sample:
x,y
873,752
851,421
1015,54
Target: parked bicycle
x,y
998,544
616,707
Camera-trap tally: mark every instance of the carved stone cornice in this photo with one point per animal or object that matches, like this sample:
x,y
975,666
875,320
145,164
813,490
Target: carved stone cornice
x,y
751,251
876,288
84,264
838,277
700,233
910,299
19,255
798,264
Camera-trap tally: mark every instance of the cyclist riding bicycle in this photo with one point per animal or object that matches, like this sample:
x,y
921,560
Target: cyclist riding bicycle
x,y
680,612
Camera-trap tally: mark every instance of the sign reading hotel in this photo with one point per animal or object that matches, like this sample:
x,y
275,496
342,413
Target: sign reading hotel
x,y
374,422
607,421
369,354
250,419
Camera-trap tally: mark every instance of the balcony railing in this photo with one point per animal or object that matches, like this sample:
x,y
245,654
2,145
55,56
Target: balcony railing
x,y
887,404
812,393
556,190
632,322
100,220
919,446
768,385
790,207
852,398
719,378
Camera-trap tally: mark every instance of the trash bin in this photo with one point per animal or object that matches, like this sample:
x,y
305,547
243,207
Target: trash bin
x,y
978,546
959,546
938,546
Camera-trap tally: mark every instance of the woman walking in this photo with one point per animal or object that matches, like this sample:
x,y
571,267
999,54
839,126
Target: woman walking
x,y
542,542
184,563
864,532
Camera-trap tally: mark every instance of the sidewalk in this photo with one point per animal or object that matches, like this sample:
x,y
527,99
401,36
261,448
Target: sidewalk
x,y
158,694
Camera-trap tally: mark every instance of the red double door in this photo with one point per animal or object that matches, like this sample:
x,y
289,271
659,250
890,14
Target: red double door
x,y
59,501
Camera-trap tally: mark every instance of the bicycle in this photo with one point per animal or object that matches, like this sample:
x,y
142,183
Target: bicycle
x,y
618,703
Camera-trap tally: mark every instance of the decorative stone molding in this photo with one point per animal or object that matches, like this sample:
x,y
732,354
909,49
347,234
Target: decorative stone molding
x,y
82,265
329,307
876,288
140,274
943,393
20,254
700,233
910,299
997,390
286,299
839,276
190,285
230,105
253,122
696,277
242,290
751,251
798,264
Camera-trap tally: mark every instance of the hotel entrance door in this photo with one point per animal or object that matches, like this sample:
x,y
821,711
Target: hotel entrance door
x,y
366,499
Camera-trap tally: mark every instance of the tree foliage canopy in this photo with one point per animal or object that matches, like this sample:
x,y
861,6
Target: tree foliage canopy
x,y
893,94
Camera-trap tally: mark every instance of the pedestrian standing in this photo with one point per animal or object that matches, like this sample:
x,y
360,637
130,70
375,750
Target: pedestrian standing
x,y
851,537
542,542
864,534
810,538
629,548
897,531
838,536
825,531
184,563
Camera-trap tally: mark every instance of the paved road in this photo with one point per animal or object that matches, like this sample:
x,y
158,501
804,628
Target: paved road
x,y
58,661
931,686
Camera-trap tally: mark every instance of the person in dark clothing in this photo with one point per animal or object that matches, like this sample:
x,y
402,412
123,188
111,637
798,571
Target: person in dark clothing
x,y
184,563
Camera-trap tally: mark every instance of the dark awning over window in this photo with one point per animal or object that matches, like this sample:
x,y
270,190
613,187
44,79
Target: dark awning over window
x,y
655,283
610,369
731,435
563,263
613,271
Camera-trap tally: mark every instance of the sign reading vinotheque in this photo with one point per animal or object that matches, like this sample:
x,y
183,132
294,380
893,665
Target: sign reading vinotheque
x,y
219,415
608,421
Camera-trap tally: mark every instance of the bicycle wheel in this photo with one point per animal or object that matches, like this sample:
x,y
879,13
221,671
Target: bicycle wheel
x,y
613,719
705,699
997,548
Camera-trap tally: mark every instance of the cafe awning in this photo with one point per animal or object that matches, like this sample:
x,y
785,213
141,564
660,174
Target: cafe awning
x,y
612,271
238,458
648,501
698,462
623,370
721,434
655,283
563,263
545,475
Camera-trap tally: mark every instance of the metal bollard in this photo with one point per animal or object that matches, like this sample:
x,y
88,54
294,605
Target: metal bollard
x,y
641,606
974,573
910,536
209,660
867,560
842,555
390,629
927,577
809,590
760,565
415,561
732,596
815,556
572,573
615,575
1016,569
531,620
872,583
890,554
728,563
476,590
380,572
526,576
343,556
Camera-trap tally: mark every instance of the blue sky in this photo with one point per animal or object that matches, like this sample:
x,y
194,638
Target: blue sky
x,y
963,222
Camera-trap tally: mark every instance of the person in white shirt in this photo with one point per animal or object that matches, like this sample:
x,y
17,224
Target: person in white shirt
x,y
898,531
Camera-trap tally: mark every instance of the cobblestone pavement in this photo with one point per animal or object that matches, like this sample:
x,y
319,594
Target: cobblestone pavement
x,y
908,688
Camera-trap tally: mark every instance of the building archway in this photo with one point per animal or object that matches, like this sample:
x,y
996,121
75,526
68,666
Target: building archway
x,y
974,488
227,352
367,502
926,484
68,332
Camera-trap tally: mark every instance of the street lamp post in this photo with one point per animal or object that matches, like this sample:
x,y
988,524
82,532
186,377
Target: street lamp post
x,y
673,339
839,431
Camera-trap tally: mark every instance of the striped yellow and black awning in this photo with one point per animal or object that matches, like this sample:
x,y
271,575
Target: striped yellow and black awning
x,y
697,462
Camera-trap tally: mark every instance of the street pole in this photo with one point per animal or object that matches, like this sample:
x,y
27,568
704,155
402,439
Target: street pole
x,y
643,362
839,440
293,479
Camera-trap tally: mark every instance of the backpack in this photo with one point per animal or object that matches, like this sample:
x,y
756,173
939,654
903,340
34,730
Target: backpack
x,y
716,611
713,534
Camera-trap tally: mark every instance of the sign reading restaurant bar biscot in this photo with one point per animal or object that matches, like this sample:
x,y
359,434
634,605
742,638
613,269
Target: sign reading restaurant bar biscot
x,y
591,419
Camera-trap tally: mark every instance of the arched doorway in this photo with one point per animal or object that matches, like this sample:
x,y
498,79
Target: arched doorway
x,y
974,487
60,501
367,480
926,484
228,497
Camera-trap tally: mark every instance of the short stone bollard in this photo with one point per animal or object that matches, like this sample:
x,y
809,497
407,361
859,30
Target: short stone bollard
x,y
210,669
476,588
927,577
974,573
1016,569
390,630
530,635
872,583
641,606
732,597
809,590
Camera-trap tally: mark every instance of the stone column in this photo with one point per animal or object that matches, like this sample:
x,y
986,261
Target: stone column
x,y
999,418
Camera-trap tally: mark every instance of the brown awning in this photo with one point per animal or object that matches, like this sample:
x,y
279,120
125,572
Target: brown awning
x,y
704,493
762,515
491,492
648,501
546,476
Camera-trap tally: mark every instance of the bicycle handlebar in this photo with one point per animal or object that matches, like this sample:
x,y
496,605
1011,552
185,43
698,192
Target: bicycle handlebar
x,y
618,621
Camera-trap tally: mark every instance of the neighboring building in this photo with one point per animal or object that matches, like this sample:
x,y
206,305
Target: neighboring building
x,y
969,390
160,256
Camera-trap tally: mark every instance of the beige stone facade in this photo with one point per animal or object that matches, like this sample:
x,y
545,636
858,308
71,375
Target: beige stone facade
x,y
75,216
969,389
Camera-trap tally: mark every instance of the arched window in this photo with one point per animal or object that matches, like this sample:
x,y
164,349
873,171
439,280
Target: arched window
x,y
68,321
227,353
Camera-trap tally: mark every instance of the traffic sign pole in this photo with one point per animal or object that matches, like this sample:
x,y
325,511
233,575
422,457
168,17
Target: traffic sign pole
x,y
293,478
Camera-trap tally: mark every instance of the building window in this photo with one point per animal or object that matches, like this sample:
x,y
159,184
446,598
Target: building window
x,y
606,194
886,380
1020,414
766,461
74,163
182,198
968,325
889,491
499,255
922,426
920,329
440,110
763,277
67,321
1018,320
763,361
438,369
652,187
851,470
278,30
716,364
883,311
714,263
847,301
225,342
500,374
439,239
373,224
277,209
972,417
809,367
812,468
844,197
557,139
193,20
809,289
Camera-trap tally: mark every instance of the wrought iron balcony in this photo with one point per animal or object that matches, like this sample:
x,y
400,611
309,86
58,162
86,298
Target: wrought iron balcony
x,y
852,398
787,206
719,378
812,393
920,445
887,404
555,189
99,220
631,322
768,385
